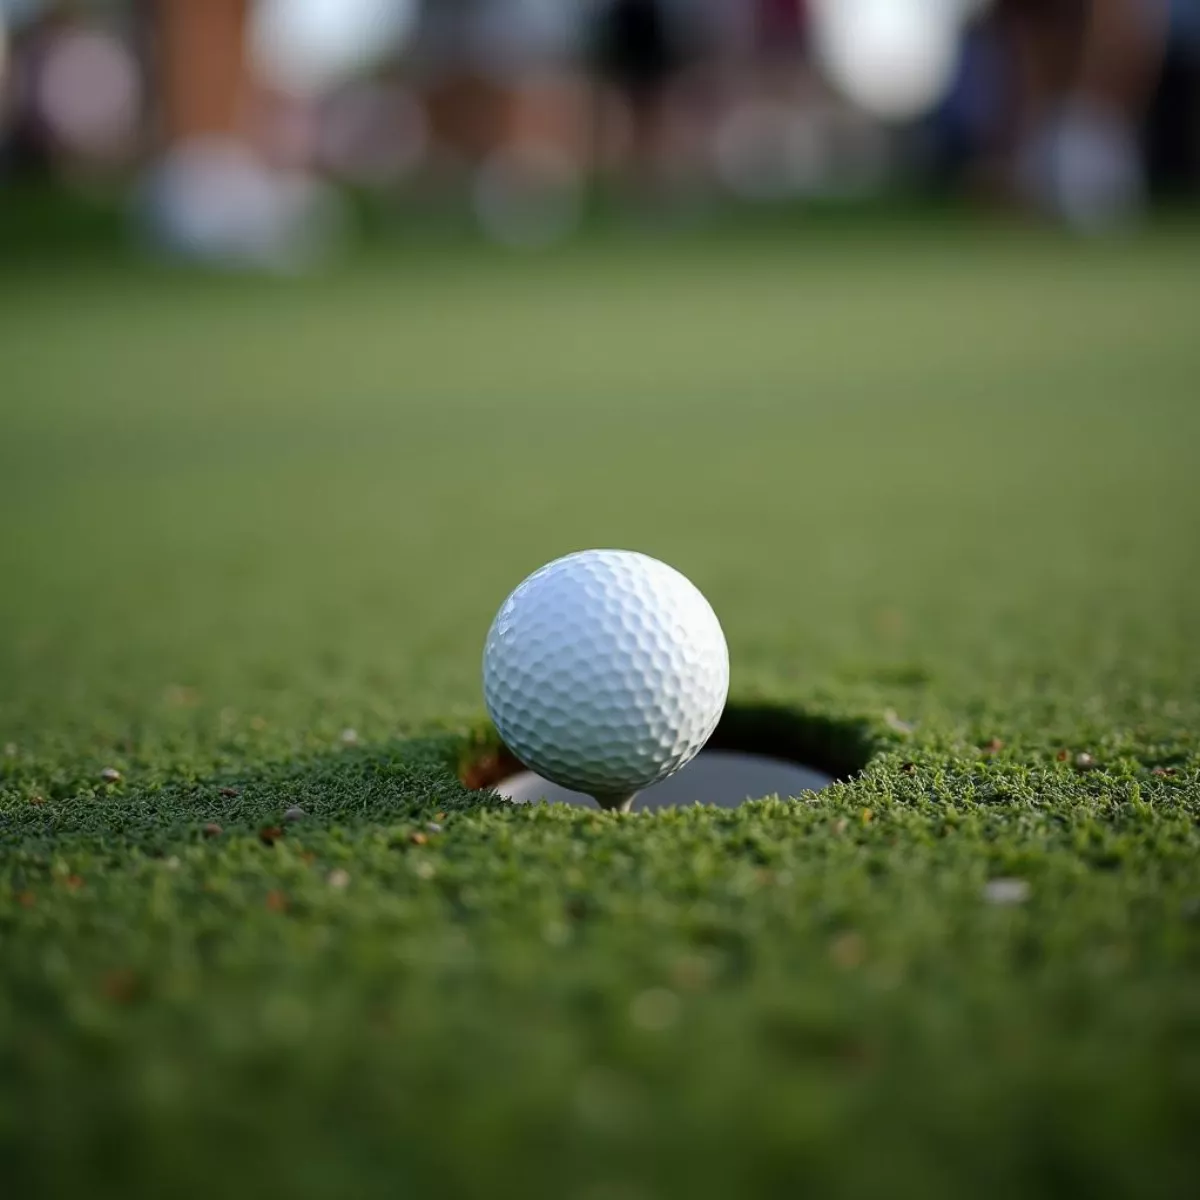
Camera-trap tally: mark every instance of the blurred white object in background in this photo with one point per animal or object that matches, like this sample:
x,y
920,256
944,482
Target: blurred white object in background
x,y
1083,165
212,201
88,93
310,46
896,59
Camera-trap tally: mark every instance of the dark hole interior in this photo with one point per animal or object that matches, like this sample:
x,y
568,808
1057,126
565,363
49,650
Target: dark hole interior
x,y
756,749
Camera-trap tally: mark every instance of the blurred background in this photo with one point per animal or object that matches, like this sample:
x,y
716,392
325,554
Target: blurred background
x,y
270,133
801,296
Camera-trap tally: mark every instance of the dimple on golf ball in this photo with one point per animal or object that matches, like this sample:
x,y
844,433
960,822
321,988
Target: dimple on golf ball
x,y
605,671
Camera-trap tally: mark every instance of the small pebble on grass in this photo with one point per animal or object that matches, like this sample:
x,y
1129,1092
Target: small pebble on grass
x,y
295,813
1006,891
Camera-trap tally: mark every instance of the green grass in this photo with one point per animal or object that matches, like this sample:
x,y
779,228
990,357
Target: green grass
x,y
931,477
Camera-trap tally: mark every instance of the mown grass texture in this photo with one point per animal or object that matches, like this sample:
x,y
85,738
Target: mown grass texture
x,y
937,483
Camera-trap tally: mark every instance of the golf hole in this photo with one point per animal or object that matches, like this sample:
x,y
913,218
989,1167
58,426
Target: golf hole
x,y
756,751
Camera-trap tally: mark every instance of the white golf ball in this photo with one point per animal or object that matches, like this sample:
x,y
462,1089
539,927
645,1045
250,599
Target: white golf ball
x,y
605,671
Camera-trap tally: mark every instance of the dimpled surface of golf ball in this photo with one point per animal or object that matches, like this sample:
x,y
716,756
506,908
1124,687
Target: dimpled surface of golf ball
x,y
605,671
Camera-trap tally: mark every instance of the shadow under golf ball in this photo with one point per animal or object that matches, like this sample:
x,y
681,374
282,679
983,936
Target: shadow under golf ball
x,y
725,778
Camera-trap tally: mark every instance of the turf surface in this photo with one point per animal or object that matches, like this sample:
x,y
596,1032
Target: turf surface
x,y
939,484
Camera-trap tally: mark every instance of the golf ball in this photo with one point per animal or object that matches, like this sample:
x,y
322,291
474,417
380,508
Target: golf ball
x,y
605,671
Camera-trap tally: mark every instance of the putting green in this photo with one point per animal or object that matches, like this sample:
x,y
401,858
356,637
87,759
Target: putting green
x,y
939,485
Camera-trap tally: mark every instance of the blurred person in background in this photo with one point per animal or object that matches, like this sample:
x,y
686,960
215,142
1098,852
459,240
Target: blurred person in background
x,y
1173,130
636,50
506,112
1084,74
243,111
212,195
28,143
475,58
662,71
